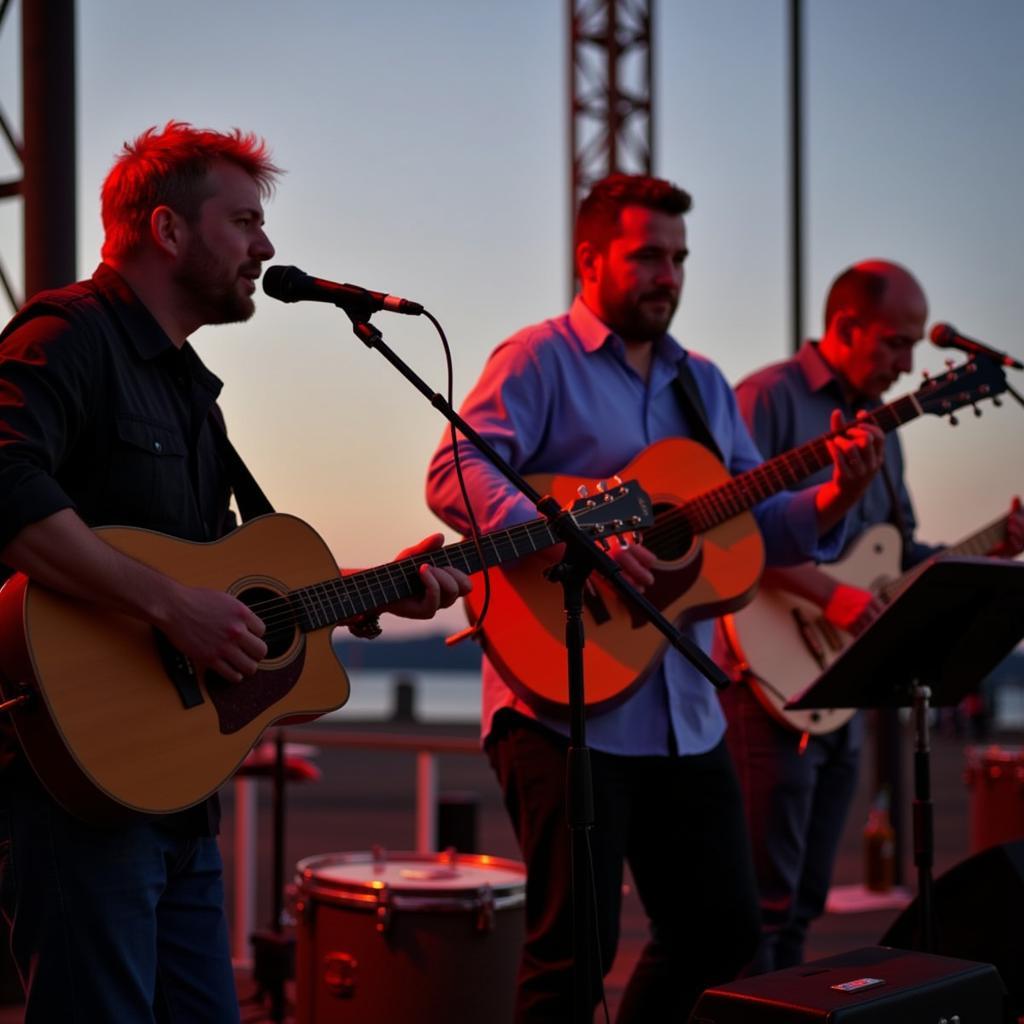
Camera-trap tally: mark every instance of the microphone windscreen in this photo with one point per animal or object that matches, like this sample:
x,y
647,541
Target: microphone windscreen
x,y
943,335
283,283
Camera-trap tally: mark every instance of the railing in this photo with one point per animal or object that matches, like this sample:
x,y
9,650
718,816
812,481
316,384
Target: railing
x,y
246,812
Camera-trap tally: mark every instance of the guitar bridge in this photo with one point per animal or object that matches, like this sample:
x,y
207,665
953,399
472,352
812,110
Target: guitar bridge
x,y
806,631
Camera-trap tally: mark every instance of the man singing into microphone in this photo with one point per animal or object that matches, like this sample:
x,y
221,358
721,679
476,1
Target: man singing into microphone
x,y
108,416
797,788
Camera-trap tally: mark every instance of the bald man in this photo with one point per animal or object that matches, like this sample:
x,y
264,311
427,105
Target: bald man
x,y
797,788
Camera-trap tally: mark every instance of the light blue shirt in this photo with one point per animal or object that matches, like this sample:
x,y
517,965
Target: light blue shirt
x,y
560,397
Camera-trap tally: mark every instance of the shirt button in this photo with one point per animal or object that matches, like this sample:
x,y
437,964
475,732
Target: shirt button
x,y
157,446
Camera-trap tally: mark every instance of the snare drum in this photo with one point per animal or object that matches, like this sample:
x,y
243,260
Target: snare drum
x,y
995,776
407,937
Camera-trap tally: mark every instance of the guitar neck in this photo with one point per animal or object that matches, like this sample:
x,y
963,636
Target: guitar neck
x,y
981,542
332,601
743,492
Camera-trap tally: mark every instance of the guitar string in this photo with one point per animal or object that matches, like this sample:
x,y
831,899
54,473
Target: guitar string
x,y
676,526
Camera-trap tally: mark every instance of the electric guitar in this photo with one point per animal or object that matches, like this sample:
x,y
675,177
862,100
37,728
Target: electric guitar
x,y
710,555
113,719
783,642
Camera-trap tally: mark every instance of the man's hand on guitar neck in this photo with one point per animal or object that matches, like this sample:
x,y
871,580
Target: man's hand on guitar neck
x,y
442,587
856,458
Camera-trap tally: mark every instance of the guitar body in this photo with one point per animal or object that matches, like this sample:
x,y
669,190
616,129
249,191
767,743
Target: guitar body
x,y
113,724
784,642
715,573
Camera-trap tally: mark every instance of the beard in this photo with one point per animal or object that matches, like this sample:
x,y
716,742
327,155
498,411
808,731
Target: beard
x,y
634,319
212,286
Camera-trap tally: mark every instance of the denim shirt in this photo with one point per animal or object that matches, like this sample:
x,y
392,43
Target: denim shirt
x,y
561,397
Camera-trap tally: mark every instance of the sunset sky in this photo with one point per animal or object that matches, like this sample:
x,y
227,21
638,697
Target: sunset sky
x,y
426,150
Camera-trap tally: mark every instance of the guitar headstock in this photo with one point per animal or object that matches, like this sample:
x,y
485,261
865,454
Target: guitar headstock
x,y
960,386
616,508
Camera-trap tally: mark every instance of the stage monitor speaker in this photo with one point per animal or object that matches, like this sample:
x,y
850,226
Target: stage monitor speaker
x,y
875,984
978,909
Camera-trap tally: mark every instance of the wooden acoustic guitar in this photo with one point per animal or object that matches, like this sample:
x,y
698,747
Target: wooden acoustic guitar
x,y
709,548
783,642
114,719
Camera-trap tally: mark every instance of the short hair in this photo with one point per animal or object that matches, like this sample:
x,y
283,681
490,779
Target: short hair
x,y
861,289
597,220
168,167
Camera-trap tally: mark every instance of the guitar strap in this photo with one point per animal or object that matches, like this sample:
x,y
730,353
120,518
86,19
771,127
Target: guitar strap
x,y
896,516
249,495
694,411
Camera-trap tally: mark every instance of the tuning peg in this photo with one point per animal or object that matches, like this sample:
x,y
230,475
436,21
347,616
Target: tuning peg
x,y
583,491
953,421
925,376
623,540
977,411
601,486
950,363
997,402
617,480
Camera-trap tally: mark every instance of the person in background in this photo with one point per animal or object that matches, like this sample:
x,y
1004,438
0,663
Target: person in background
x,y
797,787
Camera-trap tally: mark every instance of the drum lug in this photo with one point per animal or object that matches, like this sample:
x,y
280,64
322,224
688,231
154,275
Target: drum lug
x,y
485,910
340,974
383,911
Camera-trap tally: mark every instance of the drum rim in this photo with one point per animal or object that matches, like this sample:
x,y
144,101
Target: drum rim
x,y
408,895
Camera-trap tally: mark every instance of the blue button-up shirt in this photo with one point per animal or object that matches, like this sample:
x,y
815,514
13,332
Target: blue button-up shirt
x,y
790,402
560,397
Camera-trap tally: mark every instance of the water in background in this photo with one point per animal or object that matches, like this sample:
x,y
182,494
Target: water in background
x,y
439,696
455,697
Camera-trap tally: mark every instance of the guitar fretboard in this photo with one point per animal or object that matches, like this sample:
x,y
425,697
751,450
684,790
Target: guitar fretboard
x,y
743,492
979,543
332,601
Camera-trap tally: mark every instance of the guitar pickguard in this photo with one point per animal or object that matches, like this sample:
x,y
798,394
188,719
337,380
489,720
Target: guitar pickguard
x,y
238,704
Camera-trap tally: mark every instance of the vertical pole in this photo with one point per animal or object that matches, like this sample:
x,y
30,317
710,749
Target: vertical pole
x,y
48,99
244,916
796,59
426,802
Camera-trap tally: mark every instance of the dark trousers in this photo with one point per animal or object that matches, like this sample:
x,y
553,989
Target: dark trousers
x,y
796,804
678,822
118,925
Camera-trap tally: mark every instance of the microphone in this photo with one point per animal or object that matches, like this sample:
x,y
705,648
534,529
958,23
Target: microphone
x,y
289,284
947,336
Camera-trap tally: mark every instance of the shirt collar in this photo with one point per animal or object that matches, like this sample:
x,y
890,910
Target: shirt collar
x,y
144,334
817,372
594,333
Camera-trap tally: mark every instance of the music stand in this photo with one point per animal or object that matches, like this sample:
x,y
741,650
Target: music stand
x,y
954,622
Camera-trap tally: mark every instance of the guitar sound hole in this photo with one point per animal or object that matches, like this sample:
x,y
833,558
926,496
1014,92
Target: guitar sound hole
x,y
277,615
671,537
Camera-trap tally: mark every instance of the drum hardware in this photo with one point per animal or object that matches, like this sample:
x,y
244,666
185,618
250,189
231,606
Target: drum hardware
x,y
407,936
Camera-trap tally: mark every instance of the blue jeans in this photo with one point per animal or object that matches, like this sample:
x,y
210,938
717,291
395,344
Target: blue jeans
x,y
117,925
796,804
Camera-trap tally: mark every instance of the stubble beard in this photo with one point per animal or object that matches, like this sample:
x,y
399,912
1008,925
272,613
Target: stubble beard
x,y
212,286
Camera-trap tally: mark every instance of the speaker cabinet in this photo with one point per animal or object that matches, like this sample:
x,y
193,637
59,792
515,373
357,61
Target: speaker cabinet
x,y
876,984
978,910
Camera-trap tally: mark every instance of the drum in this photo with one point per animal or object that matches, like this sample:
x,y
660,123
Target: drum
x,y
995,776
407,937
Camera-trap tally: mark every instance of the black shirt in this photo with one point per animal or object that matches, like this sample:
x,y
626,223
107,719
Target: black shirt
x,y
101,413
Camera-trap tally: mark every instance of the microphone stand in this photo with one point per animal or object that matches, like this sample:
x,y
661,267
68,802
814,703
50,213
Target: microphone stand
x,y
581,557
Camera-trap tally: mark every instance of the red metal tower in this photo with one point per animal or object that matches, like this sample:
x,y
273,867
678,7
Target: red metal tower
x,y
611,94
47,153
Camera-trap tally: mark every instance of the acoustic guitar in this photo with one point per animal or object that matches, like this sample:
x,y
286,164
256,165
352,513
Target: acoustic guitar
x,y
710,555
114,719
783,642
